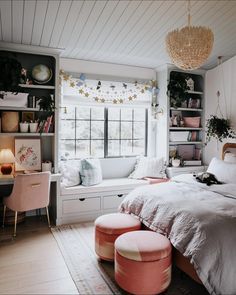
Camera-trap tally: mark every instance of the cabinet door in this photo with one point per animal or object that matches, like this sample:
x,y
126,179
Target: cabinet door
x,y
81,205
113,201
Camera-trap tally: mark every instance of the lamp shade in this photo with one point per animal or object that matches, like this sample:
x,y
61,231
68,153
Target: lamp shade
x,y
6,156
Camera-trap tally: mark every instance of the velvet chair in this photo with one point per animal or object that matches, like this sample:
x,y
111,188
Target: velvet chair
x,y
30,191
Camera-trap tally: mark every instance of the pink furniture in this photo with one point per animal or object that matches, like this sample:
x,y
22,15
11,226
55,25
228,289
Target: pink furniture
x,y
143,262
30,191
110,226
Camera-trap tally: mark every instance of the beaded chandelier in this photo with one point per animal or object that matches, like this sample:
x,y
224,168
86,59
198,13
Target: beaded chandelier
x,y
190,46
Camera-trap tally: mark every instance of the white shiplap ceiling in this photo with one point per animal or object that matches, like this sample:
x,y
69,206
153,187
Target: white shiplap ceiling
x,y
123,32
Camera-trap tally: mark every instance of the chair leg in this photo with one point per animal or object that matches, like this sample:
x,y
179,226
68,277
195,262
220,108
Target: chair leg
x,y
49,224
14,234
4,215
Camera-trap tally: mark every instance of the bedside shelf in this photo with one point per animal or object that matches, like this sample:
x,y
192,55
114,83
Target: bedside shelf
x,y
32,86
28,134
186,109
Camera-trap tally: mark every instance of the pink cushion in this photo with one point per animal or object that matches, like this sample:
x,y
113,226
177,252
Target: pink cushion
x,y
117,223
143,246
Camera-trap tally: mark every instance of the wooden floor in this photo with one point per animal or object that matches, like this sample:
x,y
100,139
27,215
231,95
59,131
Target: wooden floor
x,y
32,263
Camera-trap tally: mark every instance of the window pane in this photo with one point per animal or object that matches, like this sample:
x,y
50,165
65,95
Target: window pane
x,y
83,113
113,114
126,130
67,130
97,148
70,113
97,129
113,130
97,113
126,147
82,148
139,147
113,148
67,149
126,114
82,129
139,130
139,115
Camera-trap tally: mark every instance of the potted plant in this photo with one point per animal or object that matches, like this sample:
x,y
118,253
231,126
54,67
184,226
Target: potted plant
x,y
10,75
177,89
219,128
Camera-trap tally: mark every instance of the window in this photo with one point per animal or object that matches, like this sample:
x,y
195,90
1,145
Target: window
x,y
103,132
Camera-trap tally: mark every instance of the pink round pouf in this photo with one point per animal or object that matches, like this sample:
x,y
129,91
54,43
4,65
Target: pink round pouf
x,y
143,262
108,228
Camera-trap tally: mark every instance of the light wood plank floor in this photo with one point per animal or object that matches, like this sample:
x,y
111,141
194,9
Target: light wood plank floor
x,y
32,263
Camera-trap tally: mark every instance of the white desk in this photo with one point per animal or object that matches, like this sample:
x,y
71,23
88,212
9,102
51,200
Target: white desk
x,y
10,180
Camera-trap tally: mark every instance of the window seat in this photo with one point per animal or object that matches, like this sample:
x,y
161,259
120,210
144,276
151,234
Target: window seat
x,y
107,185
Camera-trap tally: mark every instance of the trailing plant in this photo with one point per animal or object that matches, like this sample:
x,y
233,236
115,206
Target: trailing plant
x,y
219,128
46,106
10,74
177,89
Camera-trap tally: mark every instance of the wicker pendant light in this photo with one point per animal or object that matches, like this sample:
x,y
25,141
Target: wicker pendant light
x,y
190,46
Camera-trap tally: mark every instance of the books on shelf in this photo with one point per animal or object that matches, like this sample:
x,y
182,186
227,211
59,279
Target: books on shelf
x,y
45,126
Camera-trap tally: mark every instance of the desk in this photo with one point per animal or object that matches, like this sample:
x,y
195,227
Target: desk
x,y
54,192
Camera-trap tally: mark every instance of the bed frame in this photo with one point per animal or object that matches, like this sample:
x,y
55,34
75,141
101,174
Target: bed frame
x,y
182,262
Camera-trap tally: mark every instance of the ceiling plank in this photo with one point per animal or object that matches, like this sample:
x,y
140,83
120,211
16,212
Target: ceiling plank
x,y
6,19
61,19
28,21
49,22
39,19
17,20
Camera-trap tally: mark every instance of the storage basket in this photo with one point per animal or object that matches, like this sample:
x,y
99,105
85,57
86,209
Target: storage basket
x,y
193,122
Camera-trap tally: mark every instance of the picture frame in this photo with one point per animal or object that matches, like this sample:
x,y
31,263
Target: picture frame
x,y
28,154
27,117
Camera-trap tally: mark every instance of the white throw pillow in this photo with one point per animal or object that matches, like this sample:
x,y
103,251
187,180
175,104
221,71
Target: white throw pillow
x,y
69,173
230,158
91,172
223,171
148,167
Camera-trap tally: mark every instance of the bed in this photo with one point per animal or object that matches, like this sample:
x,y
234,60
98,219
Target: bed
x,y
199,220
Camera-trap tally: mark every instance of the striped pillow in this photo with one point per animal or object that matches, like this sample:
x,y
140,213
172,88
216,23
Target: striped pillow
x,y
91,172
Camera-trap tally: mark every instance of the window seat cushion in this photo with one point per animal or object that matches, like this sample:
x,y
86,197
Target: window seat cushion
x,y
106,185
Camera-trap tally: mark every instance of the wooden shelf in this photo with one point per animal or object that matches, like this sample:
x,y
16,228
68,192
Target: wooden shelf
x,y
27,134
24,109
195,92
32,86
185,142
185,128
186,109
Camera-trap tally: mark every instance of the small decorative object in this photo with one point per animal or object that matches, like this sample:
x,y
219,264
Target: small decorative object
x,y
194,103
175,121
47,166
28,154
190,84
219,128
23,75
181,122
24,127
190,46
41,74
6,160
175,162
10,121
27,117
33,127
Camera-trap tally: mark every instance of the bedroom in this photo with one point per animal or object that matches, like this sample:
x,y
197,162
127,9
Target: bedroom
x,y
86,87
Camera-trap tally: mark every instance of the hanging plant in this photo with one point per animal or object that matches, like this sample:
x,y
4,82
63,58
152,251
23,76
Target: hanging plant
x,y
177,89
219,128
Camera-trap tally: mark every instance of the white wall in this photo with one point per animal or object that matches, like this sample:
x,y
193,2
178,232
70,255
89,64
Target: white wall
x,y
222,78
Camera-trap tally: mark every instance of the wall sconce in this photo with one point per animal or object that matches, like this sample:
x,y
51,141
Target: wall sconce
x,y
65,109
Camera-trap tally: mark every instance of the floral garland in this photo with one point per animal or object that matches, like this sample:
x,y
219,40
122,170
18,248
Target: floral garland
x,y
105,91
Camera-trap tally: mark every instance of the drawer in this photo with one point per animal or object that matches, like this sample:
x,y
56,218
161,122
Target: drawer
x,y
81,205
110,202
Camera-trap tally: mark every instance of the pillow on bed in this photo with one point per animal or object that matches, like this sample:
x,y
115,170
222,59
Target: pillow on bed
x,y
69,173
223,171
149,167
230,157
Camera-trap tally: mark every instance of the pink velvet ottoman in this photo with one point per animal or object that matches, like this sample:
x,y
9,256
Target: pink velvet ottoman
x,y
108,228
143,262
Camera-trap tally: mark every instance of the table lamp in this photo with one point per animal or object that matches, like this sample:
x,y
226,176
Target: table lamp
x,y
6,160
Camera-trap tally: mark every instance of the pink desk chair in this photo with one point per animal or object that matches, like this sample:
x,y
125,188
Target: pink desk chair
x,y
30,191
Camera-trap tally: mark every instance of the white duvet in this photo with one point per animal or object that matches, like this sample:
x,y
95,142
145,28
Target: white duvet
x,y
200,222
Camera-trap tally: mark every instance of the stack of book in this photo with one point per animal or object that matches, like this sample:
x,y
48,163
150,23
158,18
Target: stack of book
x,y
46,126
